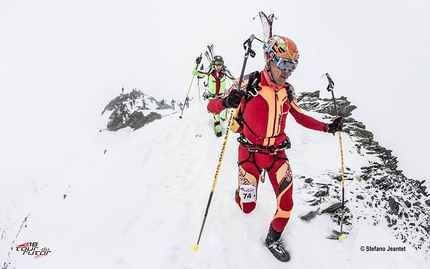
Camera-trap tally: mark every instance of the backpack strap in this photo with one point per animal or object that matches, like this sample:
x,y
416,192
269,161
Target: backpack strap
x,y
252,89
289,92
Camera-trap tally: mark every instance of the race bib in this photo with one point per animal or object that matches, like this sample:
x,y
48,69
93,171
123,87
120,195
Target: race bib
x,y
248,193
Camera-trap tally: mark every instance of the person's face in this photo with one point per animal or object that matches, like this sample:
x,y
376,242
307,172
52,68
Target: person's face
x,y
218,67
278,76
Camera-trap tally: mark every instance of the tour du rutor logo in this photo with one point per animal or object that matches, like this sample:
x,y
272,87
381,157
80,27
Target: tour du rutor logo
x,y
32,249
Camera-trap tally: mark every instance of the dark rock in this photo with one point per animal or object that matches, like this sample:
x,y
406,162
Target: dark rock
x,y
310,215
138,120
332,208
394,206
408,204
308,180
321,193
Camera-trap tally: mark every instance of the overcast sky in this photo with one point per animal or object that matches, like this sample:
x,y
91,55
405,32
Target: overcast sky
x,y
62,61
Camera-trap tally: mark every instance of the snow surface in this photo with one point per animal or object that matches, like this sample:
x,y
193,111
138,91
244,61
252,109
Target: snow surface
x,y
141,204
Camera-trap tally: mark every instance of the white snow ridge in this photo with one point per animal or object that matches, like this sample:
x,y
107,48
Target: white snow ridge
x,y
136,199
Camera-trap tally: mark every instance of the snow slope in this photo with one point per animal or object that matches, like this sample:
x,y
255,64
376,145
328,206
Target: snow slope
x,y
136,199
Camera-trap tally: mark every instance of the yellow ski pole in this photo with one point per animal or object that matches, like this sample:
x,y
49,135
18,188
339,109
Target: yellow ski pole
x,y
330,87
341,234
247,45
196,246
188,92
183,107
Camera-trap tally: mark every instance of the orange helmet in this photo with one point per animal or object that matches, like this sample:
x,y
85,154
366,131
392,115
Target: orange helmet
x,y
282,47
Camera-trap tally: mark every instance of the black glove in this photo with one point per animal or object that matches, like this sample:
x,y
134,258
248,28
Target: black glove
x,y
335,126
233,99
199,60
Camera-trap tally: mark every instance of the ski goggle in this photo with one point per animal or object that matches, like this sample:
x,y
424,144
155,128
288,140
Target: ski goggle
x,y
285,65
219,63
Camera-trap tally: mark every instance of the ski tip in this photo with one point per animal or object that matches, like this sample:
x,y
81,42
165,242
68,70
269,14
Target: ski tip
x,y
334,235
194,247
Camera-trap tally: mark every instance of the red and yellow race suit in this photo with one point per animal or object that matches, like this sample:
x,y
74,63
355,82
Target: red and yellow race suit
x,y
263,135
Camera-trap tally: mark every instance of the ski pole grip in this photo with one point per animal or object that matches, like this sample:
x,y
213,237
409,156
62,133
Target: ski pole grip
x,y
330,85
198,60
248,43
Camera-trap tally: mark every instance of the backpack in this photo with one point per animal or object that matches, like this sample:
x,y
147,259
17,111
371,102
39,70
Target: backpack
x,y
252,89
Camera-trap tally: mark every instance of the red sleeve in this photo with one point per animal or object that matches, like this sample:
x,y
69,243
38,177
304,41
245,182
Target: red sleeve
x,y
307,121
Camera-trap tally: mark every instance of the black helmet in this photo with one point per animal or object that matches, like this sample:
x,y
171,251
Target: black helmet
x,y
218,60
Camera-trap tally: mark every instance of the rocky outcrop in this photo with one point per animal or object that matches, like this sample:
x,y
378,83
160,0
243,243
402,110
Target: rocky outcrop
x,y
135,120
134,110
401,203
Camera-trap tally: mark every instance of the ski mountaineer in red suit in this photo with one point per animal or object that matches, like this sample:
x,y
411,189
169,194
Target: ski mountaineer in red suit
x,y
263,104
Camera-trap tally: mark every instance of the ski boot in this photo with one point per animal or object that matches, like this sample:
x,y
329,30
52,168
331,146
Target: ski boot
x,y
218,129
274,243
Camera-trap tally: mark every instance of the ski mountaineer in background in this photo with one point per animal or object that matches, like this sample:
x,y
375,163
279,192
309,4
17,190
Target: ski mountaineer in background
x,y
263,104
217,78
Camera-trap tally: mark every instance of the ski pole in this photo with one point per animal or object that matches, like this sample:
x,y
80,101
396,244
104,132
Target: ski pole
x,y
198,83
198,88
189,88
183,107
249,51
330,87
